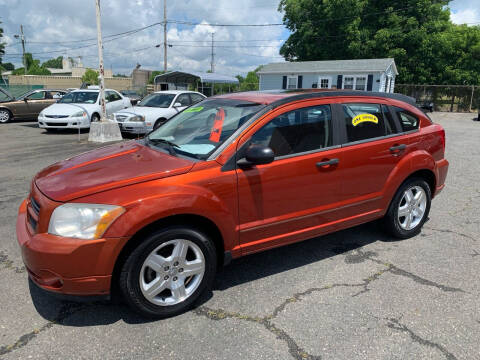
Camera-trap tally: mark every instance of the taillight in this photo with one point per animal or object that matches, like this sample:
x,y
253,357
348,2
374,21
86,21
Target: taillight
x,y
442,137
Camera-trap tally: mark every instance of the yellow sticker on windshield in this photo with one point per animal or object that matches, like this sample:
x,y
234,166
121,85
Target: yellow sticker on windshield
x,y
194,109
364,118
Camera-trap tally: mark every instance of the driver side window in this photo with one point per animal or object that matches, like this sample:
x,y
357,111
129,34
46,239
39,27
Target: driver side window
x,y
298,131
37,96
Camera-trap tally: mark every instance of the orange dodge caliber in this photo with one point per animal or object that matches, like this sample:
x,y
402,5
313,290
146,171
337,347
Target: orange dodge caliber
x,y
230,176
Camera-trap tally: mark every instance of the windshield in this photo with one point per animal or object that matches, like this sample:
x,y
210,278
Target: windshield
x,y
157,100
199,130
80,97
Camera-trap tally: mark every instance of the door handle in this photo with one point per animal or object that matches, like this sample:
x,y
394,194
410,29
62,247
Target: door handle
x,y
327,163
398,148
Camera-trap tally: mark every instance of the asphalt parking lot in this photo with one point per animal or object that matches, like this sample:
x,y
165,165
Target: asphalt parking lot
x,y
354,294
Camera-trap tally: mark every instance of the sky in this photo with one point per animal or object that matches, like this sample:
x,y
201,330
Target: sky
x,y
53,28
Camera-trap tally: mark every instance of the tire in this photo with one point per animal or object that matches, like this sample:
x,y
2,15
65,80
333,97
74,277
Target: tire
x,y
5,116
51,130
144,270
416,210
95,118
159,123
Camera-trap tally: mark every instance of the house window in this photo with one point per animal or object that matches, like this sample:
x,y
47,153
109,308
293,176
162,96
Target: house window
x,y
292,82
357,82
348,82
324,83
361,83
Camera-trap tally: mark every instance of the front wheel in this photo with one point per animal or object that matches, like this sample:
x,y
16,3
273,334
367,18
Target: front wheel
x,y
168,271
409,209
95,118
5,116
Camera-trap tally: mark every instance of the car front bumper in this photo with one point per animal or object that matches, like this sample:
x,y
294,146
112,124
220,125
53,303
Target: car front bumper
x,y
67,265
135,127
63,123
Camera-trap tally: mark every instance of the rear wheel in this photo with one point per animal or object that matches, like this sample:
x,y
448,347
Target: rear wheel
x,y
168,271
409,209
5,116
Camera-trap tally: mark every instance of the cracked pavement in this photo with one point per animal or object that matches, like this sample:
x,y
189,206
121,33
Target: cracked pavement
x,y
355,294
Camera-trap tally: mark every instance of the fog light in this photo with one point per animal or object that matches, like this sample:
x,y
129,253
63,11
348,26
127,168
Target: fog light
x,y
47,278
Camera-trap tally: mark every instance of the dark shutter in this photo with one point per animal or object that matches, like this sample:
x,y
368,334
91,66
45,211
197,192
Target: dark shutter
x,y
339,82
284,85
370,82
300,81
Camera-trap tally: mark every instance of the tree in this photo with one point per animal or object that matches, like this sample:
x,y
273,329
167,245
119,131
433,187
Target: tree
x,y
33,67
120,75
56,63
250,82
90,76
8,66
151,78
418,34
2,45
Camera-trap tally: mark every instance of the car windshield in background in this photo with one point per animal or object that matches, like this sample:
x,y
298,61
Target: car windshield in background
x,y
80,97
157,100
199,130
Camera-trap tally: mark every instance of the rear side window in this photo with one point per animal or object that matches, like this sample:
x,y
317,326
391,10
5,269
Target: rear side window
x,y
408,121
297,131
366,121
196,98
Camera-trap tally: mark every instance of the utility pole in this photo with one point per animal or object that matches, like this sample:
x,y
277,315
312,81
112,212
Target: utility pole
x,y
103,130
22,38
165,35
212,63
103,115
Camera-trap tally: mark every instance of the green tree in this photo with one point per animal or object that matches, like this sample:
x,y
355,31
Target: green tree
x,y
54,63
2,45
153,74
250,82
417,33
91,77
33,67
8,66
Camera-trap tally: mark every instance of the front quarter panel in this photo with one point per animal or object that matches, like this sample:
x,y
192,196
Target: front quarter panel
x,y
205,192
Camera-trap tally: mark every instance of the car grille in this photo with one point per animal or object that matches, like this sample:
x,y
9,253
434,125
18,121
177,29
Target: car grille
x,y
121,118
56,116
36,210
56,124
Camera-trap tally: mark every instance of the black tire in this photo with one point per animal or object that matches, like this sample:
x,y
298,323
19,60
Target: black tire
x,y
95,118
159,123
51,130
5,116
391,221
129,282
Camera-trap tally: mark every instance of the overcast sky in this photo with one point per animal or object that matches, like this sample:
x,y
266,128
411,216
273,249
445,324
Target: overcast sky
x,y
52,26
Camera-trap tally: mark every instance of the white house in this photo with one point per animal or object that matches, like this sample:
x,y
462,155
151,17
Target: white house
x,y
362,74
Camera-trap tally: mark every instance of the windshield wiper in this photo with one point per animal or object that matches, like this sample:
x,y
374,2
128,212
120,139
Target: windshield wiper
x,y
170,145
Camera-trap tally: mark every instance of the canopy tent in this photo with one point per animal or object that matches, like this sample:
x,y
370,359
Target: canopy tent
x,y
181,79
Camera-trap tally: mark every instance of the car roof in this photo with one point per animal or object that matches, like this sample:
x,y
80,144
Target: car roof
x,y
175,92
279,97
91,90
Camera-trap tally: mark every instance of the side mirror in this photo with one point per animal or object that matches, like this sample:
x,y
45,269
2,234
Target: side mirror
x,y
25,99
257,155
177,104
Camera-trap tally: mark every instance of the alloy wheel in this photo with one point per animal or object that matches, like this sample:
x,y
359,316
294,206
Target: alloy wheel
x,y
412,206
172,272
4,116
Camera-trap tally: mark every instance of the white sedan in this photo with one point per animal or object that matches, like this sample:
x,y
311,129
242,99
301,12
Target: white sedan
x,y
79,108
154,110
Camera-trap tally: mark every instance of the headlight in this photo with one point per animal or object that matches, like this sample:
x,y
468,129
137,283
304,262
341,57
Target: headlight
x,y
41,114
137,118
79,114
83,221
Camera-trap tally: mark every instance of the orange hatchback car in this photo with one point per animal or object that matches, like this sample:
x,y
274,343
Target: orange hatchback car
x,y
230,176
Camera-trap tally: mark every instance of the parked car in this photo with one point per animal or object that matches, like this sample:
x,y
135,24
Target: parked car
x,y
80,107
154,110
28,105
132,95
230,176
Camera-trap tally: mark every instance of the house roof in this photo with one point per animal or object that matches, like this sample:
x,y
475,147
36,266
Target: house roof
x,y
191,76
330,66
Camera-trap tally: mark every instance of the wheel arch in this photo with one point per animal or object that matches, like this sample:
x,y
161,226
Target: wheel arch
x,y
94,113
193,220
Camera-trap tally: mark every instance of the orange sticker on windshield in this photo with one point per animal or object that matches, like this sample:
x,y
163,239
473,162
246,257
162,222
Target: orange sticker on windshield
x,y
217,126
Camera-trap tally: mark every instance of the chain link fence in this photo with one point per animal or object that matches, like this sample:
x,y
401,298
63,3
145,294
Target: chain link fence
x,y
17,90
453,98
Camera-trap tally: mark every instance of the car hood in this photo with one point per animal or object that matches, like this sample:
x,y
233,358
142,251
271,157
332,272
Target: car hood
x,y
67,109
8,95
150,113
107,168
